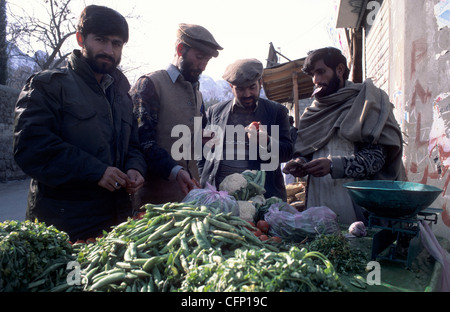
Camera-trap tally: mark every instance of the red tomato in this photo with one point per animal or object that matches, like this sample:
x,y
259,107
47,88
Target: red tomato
x,y
263,226
256,124
263,237
140,215
257,233
251,226
80,241
276,239
90,240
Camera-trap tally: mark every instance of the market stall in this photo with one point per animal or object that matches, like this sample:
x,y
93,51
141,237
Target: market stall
x,y
227,240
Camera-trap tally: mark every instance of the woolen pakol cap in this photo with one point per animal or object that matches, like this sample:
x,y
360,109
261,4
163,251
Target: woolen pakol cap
x,y
198,37
243,72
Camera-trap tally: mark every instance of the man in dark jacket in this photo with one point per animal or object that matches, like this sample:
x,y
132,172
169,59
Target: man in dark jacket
x,y
249,132
75,134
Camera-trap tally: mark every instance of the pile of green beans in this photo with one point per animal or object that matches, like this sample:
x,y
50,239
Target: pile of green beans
x,y
155,253
172,245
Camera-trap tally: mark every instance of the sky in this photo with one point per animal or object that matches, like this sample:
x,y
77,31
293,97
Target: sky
x,y
244,28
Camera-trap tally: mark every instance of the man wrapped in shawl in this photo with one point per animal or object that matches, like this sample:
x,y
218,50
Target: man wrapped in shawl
x,y
348,133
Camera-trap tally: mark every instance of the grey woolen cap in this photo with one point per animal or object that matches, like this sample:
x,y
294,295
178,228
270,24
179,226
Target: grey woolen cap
x,y
198,37
243,72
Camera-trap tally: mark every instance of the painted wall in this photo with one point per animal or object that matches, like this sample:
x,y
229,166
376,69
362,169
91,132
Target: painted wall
x,y
419,86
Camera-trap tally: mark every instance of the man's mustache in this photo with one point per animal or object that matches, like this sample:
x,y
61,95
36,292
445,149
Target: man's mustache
x,y
110,58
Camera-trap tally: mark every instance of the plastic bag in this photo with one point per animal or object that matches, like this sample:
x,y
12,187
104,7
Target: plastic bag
x,y
220,201
439,254
290,224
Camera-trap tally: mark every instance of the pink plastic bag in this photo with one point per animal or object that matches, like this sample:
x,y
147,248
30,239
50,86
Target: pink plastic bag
x,y
220,201
439,254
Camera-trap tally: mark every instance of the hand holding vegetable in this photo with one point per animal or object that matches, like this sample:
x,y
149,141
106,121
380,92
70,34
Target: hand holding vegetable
x,y
255,129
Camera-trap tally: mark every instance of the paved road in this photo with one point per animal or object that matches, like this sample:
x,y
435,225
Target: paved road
x,y
13,199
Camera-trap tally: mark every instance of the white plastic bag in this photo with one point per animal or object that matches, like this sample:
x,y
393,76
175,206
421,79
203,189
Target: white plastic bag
x,y
290,224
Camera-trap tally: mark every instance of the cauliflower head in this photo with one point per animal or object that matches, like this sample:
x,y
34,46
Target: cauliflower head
x,y
233,183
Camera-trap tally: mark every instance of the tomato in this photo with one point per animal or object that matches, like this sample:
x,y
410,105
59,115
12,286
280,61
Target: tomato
x,y
139,215
90,240
80,241
257,232
256,124
263,226
251,226
276,239
263,237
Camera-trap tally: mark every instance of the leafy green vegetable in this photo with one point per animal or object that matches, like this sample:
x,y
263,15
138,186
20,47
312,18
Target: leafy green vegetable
x,y
337,249
33,257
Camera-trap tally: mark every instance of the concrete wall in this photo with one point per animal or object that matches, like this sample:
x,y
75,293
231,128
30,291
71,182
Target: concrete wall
x,y
419,86
8,167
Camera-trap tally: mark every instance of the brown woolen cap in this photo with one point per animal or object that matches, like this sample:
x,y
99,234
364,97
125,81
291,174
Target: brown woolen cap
x,y
243,72
199,38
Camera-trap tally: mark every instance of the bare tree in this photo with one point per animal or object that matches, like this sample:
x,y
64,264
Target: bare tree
x,y
43,37
3,44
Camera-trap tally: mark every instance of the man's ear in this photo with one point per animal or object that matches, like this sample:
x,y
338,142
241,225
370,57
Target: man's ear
x,y
80,39
340,69
180,49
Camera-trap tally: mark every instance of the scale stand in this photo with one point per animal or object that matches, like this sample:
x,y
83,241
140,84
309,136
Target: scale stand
x,y
399,234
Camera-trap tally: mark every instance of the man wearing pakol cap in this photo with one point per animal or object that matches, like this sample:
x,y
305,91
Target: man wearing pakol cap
x,y
238,153
348,133
165,99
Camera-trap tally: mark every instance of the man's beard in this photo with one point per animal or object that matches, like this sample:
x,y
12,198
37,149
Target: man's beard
x,y
331,87
242,101
99,66
188,73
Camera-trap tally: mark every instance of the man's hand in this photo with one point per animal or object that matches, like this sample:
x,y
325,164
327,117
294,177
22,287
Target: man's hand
x,y
255,129
113,179
299,168
295,167
136,181
185,182
318,167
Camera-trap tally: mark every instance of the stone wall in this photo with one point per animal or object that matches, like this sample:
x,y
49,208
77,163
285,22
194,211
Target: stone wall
x,y
9,170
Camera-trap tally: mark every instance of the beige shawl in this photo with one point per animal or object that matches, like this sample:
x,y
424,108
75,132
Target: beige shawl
x,y
360,113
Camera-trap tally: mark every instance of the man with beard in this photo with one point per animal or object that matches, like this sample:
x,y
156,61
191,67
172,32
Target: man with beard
x,y
163,100
348,133
266,122
75,135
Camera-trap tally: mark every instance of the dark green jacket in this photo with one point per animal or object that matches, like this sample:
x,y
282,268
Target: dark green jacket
x,y
66,134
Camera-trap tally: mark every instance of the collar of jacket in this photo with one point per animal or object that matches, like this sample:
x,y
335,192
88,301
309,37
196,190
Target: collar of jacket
x,y
79,66
174,73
